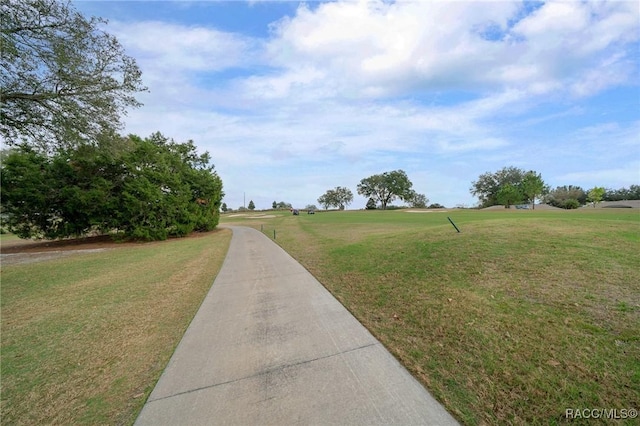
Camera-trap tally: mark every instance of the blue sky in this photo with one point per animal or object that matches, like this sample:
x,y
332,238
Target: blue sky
x,y
292,99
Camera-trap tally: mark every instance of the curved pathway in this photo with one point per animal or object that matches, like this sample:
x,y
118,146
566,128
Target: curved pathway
x,y
270,345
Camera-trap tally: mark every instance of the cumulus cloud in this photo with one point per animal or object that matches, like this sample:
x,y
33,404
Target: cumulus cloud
x,y
375,48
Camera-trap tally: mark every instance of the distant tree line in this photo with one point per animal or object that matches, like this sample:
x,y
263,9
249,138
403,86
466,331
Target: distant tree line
x,y
281,205
128,187
631,193
380,189
276,205
511,185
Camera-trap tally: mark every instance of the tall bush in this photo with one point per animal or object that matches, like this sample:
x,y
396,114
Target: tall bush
x,y
131,187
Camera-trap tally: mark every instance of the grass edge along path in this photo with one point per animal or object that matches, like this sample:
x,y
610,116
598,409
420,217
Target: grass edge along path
x,y
518,318
85,338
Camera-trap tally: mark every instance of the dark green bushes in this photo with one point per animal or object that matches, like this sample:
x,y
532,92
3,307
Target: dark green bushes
x,y
131,187
571,204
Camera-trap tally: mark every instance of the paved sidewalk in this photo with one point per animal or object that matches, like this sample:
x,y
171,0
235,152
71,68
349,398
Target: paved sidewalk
x,y
270,345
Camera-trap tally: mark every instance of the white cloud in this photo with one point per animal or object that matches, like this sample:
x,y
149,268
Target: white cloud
x,y
381,49
602,137
581,46
623,175
172,47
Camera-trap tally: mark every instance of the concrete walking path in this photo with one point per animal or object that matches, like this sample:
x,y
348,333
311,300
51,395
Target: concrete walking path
x,y
270,345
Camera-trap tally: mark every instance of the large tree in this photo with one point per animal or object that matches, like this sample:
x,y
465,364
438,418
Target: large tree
x,y
138,188
63,80
488,185
386,187
339,197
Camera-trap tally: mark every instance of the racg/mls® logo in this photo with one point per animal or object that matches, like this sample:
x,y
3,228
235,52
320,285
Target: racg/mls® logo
x,y
601,413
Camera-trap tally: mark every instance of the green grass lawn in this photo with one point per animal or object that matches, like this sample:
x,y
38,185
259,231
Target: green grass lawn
x,y
86,337
517,318
521,316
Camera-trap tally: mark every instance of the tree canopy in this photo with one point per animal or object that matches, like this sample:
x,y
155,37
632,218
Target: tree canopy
x,y
488,185
63,80
281,205
386,187
509,195
509,185
631,193
533,187
595,194
339,197
418,201
131,187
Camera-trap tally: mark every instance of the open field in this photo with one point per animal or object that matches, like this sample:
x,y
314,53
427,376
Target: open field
x,y
521,316
85,337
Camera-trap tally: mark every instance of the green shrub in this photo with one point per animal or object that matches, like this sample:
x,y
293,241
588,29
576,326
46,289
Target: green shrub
x,y
571,204
146,189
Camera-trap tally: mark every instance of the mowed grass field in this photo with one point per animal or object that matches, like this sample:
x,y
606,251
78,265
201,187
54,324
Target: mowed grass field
x,y
85,338
521,316
516,319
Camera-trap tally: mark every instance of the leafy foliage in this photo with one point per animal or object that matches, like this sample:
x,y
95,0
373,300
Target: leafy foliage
x,y
418,201
386,187
251,206
137,188
508,195
371,204
488,185
532,187
595,195
63,80
508,186
571,204
632,193
339,197
282,205
562,196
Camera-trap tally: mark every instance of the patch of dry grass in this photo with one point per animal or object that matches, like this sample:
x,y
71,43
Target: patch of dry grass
x,y
85,338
